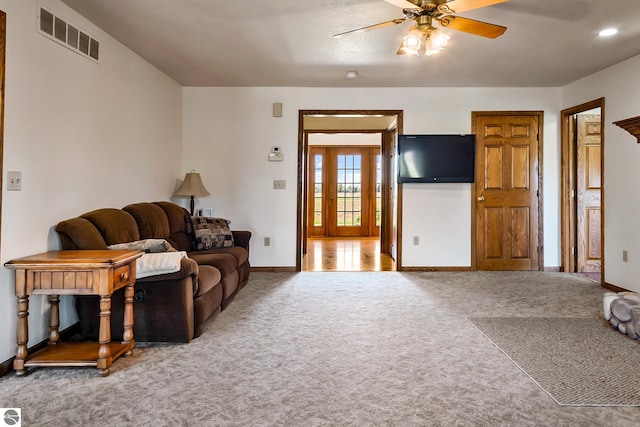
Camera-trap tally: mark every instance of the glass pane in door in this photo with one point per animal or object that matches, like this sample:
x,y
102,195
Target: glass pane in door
x,y
349,185
317,191
378,191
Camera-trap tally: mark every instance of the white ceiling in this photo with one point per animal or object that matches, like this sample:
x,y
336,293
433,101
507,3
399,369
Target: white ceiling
x,y
290,43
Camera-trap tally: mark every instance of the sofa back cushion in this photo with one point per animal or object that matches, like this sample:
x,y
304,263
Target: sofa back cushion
x,y
151,219
115,225
79,234
178,235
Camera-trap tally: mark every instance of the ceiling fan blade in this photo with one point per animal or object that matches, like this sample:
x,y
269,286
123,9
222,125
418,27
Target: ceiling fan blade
x,y
372,27
404,4
472,26
463,5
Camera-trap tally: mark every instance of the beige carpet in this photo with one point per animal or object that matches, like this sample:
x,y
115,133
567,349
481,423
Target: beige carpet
x,y
333,349
580,362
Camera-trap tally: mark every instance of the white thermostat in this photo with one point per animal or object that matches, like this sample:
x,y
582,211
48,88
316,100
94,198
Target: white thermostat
x,y
276,154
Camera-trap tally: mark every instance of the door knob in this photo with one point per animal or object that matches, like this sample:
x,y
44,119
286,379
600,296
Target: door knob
x,y
481,199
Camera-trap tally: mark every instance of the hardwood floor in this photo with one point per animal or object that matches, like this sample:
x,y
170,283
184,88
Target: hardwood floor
x,y
346,254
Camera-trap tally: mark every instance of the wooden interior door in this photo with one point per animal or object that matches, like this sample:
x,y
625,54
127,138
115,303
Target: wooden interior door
x,y
588,192
344,191
388,231
348,186
506,190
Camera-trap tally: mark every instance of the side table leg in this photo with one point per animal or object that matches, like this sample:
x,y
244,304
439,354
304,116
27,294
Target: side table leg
x,y
22,335
104,336
54,319
127,336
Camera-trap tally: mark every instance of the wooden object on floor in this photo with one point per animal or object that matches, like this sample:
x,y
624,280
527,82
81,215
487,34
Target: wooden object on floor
x,y
346,254
55,273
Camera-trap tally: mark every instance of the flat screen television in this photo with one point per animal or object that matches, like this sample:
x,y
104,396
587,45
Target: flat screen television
x,y
436,158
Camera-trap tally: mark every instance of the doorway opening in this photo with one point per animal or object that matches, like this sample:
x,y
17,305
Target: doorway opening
x,y
347,216
582,224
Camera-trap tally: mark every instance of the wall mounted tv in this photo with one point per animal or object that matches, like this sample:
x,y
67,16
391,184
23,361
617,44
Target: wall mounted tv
x,y
436,158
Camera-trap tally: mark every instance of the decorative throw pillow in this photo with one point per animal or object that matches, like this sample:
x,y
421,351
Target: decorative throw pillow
x,y
209,233
146,245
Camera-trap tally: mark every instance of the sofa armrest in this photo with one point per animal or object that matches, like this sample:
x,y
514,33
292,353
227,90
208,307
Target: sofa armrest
x,y
188,267
241,238
163,308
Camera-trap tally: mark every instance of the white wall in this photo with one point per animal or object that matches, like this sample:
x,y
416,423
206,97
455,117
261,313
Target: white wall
x,y
345,139
235,128
84,136
619,86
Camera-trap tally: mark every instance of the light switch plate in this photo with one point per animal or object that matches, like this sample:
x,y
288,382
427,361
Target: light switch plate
x,y
14,181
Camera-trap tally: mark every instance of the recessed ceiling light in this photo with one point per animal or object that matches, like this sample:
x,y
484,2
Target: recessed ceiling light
x,y
352,74
608,32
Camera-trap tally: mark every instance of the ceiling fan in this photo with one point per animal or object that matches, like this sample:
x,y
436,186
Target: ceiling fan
x,y
423,36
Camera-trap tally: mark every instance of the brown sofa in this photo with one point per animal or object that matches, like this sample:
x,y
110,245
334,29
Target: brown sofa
x,y
174,307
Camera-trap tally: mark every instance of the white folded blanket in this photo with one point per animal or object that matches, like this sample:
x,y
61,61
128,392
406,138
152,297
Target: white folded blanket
x,y
152,264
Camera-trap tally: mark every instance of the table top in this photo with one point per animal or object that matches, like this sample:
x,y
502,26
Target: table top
x,y
76,258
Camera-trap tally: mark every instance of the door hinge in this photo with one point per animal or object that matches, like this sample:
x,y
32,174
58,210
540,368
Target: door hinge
x,y
573,193
573,250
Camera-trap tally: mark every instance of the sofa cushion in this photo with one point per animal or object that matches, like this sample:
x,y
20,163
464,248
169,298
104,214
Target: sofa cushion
x,y
115,225
178,236
151,219
209,233
224,262
79,233
208,278
239,253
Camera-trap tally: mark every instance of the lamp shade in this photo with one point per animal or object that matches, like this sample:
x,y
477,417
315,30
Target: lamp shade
x,y
192,186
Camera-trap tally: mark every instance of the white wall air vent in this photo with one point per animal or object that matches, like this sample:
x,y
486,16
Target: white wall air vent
x,y
70,36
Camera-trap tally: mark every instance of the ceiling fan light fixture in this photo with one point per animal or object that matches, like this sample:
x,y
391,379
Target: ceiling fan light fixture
x,y
430,49
438,39
413,38
405,50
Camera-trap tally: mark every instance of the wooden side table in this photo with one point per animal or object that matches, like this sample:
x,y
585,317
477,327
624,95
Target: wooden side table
x,y
56,273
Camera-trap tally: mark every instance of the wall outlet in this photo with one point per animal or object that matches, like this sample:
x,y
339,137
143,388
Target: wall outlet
x,y
416,240
267,241
625,255
279,184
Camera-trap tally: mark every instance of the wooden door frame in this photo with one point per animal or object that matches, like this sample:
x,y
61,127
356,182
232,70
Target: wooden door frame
x,y
567,179
540,115
303,146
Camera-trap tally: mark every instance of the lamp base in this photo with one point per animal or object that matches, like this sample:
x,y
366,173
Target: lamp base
x,y
193,204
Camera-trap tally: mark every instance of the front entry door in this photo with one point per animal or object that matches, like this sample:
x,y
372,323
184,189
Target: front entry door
x,y
344,189
506,191
588,181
